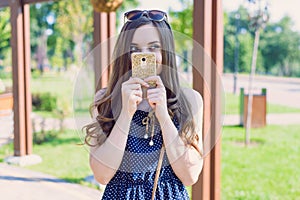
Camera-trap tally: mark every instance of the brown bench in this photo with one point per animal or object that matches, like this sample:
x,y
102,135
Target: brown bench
x,y
6,104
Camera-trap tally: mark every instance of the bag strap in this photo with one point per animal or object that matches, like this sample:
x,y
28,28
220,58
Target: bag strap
x,y
161,156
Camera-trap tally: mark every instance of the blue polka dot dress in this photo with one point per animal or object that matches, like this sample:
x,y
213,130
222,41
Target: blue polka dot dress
x,y
134,179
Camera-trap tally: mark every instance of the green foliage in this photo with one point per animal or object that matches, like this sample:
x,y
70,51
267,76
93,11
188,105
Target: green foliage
x,y
182,22
40,26
278,53
5,32
44,136
280,47
238,41
74,24
4,74
125,6
6,150
44,102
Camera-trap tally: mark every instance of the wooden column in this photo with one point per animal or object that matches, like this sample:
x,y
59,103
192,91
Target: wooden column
x,y
21,78
217,56
104,28
208,32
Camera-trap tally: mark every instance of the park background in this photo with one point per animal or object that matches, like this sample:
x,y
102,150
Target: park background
x,y
61,38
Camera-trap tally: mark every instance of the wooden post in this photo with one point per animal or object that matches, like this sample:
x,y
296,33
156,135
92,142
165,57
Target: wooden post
x,y
202,35
104,28
208,32
27,77
21,78
217,56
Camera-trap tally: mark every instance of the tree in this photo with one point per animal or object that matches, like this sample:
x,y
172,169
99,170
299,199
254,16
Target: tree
x,y
236,24
74,24
125,6
182,22
41,27
182,25
280,47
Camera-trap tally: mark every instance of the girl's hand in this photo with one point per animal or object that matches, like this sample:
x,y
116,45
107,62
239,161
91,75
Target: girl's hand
x,y
157,97
132,94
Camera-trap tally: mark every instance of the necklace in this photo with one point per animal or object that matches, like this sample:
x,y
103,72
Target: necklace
x,y
149,121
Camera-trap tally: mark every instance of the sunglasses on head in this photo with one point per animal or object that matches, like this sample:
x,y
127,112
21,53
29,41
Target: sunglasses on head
x,y
155,15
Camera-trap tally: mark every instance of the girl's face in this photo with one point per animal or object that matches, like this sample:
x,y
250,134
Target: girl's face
x,y
146,39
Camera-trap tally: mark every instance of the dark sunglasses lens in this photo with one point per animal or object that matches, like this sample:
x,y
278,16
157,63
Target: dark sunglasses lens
x,y
156,15
134,15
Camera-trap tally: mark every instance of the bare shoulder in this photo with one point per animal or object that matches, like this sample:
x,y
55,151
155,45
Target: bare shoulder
x,y
194,97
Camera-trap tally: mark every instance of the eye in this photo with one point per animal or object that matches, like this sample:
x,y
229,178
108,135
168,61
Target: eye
x,y
134,49
154,47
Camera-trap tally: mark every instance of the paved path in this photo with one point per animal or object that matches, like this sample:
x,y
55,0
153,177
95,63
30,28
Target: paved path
x,y
18,183
280,90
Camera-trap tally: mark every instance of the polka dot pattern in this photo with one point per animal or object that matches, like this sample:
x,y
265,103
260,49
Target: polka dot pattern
x,y
134,179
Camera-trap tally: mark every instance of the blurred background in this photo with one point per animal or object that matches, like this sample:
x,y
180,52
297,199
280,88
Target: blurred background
x,y
61,40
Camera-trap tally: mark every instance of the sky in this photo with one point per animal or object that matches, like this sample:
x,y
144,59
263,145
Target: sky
x,y
277,8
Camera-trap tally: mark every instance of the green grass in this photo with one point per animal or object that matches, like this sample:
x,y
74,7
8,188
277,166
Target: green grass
x,y
61,86
232,106
5,151
269,169
64,158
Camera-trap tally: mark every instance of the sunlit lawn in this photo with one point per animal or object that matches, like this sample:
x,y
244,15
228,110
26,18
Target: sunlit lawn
x,y
268,169
63,157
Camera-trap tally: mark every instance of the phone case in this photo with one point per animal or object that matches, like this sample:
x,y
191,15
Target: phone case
x,y
143,65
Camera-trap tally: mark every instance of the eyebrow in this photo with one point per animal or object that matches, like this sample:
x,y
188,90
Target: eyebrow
x,y
134,44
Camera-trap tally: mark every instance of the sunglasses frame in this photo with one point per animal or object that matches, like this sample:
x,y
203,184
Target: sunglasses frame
x,y
143,12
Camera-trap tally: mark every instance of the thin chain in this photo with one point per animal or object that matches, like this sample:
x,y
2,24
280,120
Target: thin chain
x,y
149,121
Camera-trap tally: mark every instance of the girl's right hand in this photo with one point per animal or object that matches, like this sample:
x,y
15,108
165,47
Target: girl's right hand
x,y
132,94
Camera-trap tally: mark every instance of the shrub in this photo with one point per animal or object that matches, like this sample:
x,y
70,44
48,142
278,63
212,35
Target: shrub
x,y
44,136
44,102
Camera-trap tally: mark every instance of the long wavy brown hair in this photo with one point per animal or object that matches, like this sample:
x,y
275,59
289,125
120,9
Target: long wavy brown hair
x,y
108,107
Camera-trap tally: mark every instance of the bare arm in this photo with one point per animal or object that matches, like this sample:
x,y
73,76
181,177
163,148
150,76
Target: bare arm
x,y
106,158
185,160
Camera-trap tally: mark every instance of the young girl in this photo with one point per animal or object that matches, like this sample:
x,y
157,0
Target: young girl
x,y
131,134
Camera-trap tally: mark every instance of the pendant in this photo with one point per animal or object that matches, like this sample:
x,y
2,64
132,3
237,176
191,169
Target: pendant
x,y
151,143
146,136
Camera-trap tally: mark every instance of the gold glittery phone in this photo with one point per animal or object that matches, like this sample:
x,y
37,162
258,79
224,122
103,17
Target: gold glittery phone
x,y
143,66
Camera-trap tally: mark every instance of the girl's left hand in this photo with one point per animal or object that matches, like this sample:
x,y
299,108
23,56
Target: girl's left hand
x,y
157,97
